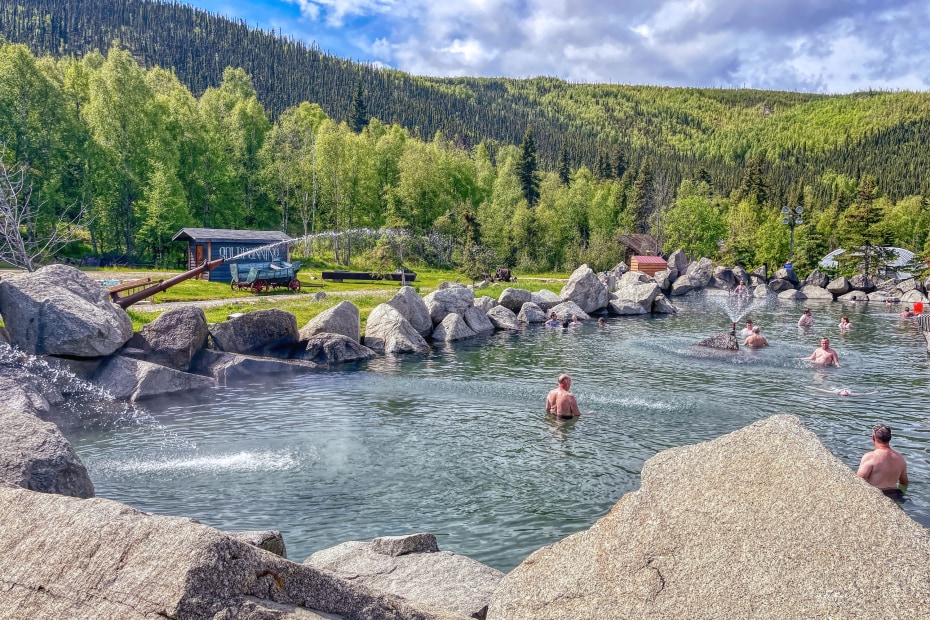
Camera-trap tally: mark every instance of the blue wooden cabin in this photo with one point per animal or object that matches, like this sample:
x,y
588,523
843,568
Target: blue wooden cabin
x,y
213,243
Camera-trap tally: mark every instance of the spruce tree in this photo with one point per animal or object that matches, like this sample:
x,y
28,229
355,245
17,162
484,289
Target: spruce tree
x,y
526,168
358,116
565,170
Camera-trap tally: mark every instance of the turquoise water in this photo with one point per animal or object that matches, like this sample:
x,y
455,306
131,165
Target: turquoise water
x,y
456,442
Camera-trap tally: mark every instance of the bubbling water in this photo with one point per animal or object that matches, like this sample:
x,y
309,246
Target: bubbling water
x,y
738,306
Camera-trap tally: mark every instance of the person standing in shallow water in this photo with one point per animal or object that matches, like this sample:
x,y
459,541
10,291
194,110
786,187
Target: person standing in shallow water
x,y
806,320
561,402
883,467
825,356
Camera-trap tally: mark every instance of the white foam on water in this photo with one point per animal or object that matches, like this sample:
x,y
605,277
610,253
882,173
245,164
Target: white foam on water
x,y
245,461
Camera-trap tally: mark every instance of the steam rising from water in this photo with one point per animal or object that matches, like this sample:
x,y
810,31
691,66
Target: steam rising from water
x,y
245,461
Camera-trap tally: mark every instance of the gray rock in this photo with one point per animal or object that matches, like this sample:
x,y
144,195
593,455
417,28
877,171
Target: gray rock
x,y
544,298
741,275
753,547
565,310
125,378
330,349
912,296
455,300
62,557
725,341
260,332
632,278
485,303
861,283
641,295
174,338
759,276
761,291
227,368
319,296
412,307
723,278
269,540
853,296
502,318
839,286
663,279
514,298
387,331
57,310
447,285
36,456
531,313
815,292
685,284
343,318
889,286
777,285
584,289
452,328
677,263
792,295
478,321
414,568
608,279
662,305
925,284
879,296
787,274
907,285
817,278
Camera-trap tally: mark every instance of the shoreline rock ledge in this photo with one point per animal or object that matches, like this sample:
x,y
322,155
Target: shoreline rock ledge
x,y
763,522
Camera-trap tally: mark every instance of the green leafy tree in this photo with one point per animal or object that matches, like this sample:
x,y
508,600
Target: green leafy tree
x,y
696,223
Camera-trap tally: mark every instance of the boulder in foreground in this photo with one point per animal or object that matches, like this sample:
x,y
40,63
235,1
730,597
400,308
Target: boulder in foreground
x,y
763,522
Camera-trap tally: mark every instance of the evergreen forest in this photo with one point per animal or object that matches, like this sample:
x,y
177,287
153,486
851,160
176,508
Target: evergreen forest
x,y
124,121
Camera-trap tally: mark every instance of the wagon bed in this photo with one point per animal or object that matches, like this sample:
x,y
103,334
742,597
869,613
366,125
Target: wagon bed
x,y
262,278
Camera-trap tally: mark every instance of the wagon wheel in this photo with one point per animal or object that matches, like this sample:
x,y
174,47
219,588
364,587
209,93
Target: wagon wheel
x,y
233,285
294,285
256,286
265,286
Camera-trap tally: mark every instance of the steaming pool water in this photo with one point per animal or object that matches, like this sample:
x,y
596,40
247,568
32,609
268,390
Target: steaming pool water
x,y
455,442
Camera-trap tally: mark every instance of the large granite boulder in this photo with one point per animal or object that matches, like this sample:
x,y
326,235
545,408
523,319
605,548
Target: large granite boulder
x,y
227,368
174,338
260,332
478,320
485,303
815,292
453,327
701,271
544,298
663,279
907,285
565,310
387,331
329,349
343,318
677,263
636,299
741,275
269,540
839,286
861,283
662,305
632,278
759,276
584,289
62,557
531,313
412,307
685,284
502,318
692,543
57,310
778,285
790,295
817,278
414,568
723,278
761,291
912,296
36,456
854,296
454,300
130,379
514,298
787,274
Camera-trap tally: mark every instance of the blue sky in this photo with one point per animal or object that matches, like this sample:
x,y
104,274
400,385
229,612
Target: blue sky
x,y
807,45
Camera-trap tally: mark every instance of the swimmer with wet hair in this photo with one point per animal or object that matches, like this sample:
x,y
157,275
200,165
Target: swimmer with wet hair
x,y
841,391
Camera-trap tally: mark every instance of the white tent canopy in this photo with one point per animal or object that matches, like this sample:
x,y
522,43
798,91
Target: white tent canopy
x,y
902,259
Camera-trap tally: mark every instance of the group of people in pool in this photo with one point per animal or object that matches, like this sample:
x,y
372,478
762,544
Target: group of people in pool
x,y
824,355
570,322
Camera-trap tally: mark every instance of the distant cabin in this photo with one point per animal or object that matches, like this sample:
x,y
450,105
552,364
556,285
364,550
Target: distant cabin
x,y
648,264
213,243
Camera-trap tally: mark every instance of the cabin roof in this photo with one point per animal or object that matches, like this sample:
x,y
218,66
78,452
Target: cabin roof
x,y
219,234
649,260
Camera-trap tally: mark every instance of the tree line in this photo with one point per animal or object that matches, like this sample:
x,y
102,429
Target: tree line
x,y
131,155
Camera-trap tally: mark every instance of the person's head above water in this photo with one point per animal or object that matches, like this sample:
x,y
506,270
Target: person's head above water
x,y
749,323
825,343
755,329
881,433
807,311
565,381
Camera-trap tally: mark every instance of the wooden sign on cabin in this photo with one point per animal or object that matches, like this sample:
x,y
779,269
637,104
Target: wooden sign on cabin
x,y
648,264
213,243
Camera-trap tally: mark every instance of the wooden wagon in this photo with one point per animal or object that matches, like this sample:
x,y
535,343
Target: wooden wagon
x,y
264,277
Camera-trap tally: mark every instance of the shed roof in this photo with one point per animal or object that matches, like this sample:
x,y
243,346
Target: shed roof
x,y
219,234
639,243
649,260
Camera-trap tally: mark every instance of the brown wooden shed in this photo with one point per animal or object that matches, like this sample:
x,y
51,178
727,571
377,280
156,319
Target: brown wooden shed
x,y
648,264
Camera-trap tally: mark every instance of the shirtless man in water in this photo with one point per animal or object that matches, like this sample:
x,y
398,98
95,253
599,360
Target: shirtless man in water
x,y
824,356
561,402
883,467
755,339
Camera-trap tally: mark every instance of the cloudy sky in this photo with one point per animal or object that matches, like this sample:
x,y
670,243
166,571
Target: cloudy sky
x,y
808,45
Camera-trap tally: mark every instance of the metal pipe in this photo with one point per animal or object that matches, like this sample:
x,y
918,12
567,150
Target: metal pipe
x,y
125,302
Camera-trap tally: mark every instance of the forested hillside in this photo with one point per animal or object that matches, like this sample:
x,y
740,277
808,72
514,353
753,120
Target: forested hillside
x,y
249,129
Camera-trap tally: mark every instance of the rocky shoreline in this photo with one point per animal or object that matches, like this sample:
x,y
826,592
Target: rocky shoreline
x,y
689,543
